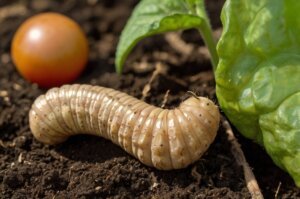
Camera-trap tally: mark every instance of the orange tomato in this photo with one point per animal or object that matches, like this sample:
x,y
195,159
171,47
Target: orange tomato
x,y
49,49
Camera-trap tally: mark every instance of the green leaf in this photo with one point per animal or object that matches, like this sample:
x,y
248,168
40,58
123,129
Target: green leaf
x,y
281,129
259,71
152,17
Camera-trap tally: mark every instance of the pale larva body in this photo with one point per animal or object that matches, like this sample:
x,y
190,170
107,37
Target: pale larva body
x,y
164,139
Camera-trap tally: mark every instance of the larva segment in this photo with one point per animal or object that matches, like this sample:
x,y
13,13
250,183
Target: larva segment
x,y
178,150
112,114
164,139
160,149
137,131
145,138
202,111
48,117
129,120
80,108
55,105
116,118
95,111
72,100
86,103
104,111
65,108
190,140
90,107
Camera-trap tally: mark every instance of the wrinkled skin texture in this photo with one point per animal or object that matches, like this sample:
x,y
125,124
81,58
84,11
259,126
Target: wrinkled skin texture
x,y
258,76
161,138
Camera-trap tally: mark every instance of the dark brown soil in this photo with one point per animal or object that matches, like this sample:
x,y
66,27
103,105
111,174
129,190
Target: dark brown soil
x,y
91,167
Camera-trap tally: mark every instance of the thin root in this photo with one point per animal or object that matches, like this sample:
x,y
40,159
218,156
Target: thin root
x,y
196,175
277,190
251,182
12,10
159,69
178,44
164,102
191,93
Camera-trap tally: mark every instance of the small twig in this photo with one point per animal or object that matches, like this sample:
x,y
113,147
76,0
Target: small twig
x,y
7,144
277,190
20,158
193,94
165,99
178,44
159,69
196,174
12,10
251,182
154,181
203,76
2,144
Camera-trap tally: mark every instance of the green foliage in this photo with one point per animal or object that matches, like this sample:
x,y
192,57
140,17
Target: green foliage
x,y
151,17
258,73
258,76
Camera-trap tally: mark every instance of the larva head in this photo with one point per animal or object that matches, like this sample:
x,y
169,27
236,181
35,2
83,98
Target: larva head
x,y
204,103
204,109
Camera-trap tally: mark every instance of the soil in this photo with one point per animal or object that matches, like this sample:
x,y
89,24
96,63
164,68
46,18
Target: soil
x,y
91,167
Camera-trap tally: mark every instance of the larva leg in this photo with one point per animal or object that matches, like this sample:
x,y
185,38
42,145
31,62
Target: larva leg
x,y
165,139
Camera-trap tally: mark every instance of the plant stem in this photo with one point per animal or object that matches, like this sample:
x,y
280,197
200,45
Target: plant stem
x,y
206,33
